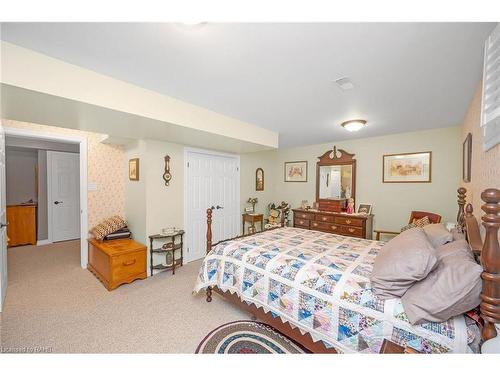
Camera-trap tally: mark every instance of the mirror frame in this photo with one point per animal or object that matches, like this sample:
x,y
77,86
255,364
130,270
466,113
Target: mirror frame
x,y
332,157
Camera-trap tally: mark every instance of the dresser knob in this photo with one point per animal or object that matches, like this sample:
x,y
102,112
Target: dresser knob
x,y
315,224
334,227
301,222
348,221
352,230
325,218
304,216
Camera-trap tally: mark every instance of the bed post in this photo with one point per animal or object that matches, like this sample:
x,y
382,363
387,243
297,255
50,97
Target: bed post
x,y
490,259
461,203
209,247
282,215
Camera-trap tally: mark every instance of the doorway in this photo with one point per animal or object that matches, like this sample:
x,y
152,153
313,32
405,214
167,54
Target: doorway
x,y
211,180
71,144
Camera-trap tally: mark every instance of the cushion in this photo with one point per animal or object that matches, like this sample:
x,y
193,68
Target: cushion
x,y
453,288
457,235
437,234
417,223
108,226
404,260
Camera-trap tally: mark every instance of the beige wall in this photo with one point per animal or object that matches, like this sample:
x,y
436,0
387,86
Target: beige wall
x,y
485,171
105,167
392,203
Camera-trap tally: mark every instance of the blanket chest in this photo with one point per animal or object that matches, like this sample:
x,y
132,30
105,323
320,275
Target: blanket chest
x,y
117,262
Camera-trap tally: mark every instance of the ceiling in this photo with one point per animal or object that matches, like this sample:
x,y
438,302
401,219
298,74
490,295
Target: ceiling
x,y
279,76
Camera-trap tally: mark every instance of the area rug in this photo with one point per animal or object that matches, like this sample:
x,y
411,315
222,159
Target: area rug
x,y
248,337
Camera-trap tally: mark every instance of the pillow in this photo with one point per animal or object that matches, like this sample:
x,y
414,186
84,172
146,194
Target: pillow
x,y
108,226
417,223
437,234
404,260
453,288
457,235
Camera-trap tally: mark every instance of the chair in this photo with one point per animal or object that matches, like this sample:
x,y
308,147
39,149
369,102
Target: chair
x,y
415,215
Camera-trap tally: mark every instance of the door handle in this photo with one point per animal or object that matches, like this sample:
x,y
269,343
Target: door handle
x,y
57,202
212,208
219,207
3,225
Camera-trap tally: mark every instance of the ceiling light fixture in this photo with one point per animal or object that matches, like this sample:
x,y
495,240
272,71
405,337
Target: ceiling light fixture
x,y
353,125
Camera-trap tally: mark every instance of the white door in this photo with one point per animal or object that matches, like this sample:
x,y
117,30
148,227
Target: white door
x,y
211,181
3,222
63,179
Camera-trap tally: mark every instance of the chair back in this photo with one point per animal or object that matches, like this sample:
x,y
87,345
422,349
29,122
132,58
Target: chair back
x,y
433,218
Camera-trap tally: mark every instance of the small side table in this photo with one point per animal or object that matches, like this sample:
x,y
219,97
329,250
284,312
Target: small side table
x,y
252,218
167,244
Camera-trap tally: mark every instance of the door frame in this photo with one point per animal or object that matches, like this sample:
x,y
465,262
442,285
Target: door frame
x,y
188,150
82,142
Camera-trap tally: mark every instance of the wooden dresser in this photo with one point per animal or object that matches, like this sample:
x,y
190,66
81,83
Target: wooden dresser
x,y
117,262
22,224
334,222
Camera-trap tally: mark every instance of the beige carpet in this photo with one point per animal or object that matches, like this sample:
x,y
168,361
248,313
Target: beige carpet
x,y
52,302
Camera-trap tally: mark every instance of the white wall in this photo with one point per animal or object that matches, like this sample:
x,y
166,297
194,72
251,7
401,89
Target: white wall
x,y
42,214
20,175
392,203
151,206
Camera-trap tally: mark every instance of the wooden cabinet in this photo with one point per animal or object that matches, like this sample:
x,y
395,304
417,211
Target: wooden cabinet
x,y
334,222
117,262
22,224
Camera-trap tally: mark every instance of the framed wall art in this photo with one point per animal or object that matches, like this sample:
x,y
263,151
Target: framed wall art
x,y
133,169
467,158
259,179
296,171
407,167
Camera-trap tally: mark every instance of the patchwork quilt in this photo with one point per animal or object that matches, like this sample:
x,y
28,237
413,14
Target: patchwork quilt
x,y
318,282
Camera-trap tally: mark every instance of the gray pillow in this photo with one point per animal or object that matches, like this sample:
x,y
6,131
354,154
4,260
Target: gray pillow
x,y
457,235
404,260
437,234
453,288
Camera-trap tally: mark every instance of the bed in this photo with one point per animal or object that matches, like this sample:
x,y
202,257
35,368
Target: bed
x,y
314,287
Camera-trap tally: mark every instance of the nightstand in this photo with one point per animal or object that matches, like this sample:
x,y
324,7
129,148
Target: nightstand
x,y
252,219
168,245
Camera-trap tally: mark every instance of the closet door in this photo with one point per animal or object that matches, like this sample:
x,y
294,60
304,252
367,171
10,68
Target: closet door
x,y
211,180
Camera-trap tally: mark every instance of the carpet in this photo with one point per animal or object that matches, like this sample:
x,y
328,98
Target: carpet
x,y
248,337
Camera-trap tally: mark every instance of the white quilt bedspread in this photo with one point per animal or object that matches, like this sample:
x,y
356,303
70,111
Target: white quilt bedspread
x,y
319,283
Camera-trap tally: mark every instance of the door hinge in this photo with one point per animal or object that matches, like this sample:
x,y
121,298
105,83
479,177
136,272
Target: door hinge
x,y
188,164
237,169
188,249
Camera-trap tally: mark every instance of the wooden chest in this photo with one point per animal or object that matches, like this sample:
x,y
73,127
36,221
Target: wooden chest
x,y
334,222
22,224
117,262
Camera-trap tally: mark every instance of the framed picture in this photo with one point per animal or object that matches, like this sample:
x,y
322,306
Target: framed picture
x,y
408,167
296,171
467,158
259,179
365,209
133,169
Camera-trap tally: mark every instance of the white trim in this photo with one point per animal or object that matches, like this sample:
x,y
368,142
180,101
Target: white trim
x,y
43,242
82,141
188,150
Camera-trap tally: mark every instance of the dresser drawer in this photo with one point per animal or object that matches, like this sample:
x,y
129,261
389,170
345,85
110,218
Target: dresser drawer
x,y
128,265
303,215
324,218
349,221
301,223
352,231
318,225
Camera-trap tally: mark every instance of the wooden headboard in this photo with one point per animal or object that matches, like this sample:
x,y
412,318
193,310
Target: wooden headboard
x,y
489,251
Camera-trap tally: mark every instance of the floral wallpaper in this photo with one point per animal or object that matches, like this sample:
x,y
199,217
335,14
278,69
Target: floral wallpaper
x,y
106,168
485,170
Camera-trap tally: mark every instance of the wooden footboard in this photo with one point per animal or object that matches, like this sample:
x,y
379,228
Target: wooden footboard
x,y
488,251
489,255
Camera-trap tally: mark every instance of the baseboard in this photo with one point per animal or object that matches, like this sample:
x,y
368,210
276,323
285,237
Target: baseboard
x,y
43,242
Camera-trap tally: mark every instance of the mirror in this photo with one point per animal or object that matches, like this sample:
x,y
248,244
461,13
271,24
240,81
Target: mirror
x,y
335,180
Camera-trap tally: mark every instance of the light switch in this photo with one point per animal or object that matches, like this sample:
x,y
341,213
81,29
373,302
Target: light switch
x,y
92,186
